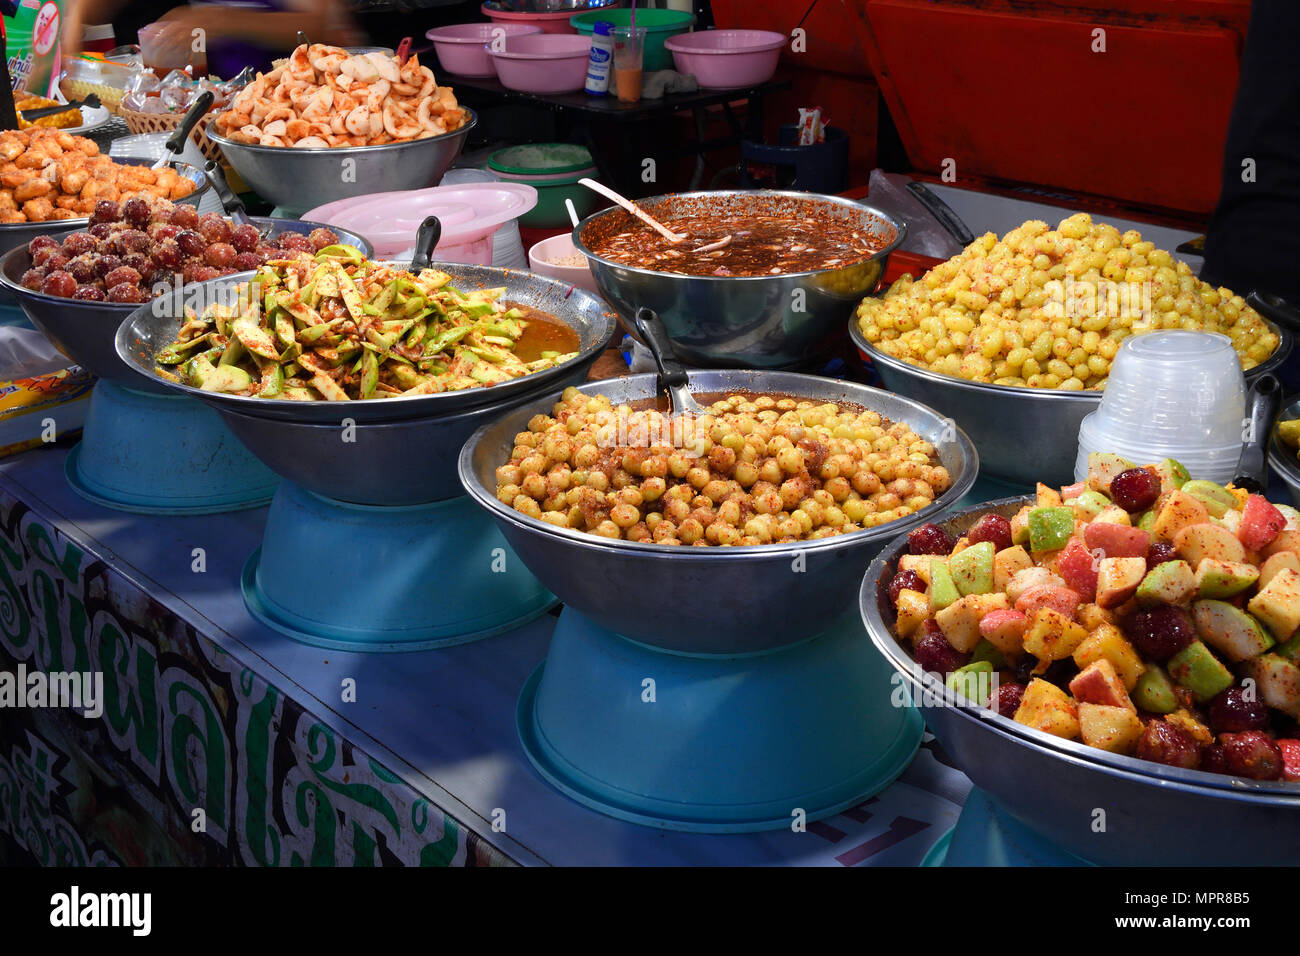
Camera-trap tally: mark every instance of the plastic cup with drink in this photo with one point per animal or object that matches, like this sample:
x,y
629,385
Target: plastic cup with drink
x,y
629,51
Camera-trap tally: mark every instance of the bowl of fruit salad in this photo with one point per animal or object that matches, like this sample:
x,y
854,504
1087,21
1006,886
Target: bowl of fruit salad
x,y
77,287
1115,663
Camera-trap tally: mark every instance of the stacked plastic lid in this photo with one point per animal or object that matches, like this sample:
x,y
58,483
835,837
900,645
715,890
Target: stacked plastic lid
x,y
1175,395
470,214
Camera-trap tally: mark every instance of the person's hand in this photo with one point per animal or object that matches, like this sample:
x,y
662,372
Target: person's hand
x,y
175,39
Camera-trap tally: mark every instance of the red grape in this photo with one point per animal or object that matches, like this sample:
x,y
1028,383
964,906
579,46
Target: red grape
x,y
294,242
106,211
1159,552
161,231
908,580
214,227
78,244
89,293
33,278
320,238
136,211
191,242
204,273
120,275
82,269
136,240
106,264
1135,490
1009,695
42,255
934,653
56,261
245,238
187,217
248,260
60,284
929,539
125,292
167,255
1164,743
1252,754
1231,712
1161,632
1214,759
100,230
993,528
220,255
41,242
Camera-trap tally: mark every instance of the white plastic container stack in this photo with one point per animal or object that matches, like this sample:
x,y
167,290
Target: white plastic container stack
x,y
1175,395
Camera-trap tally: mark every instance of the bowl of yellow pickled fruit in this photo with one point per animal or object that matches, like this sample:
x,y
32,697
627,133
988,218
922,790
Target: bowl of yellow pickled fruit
x,y
1014,337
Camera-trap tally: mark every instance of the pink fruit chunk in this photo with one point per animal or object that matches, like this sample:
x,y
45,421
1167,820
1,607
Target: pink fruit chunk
x,y
1073,491
1078,567
1098,683
1004,626
1117,540
1290,759
1059,599
1260,523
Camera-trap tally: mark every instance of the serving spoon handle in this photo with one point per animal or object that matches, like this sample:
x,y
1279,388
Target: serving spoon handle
x,y
634,209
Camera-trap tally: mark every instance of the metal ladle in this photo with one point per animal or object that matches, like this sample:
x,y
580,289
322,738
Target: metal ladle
x,y
672,374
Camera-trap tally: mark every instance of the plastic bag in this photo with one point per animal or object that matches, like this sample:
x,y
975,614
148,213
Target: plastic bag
x,y
925,234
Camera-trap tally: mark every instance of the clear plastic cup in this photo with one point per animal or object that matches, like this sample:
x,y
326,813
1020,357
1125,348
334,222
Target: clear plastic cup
x,y
1213,464
629,52
1174,388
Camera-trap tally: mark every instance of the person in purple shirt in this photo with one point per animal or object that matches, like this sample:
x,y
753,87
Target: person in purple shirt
x,y
238,34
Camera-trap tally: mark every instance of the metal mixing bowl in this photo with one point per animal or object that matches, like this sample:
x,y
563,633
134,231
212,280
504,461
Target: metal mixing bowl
x,y
84,331
743,321
1154,814
394,451
710,600
296,180
1024,435
148,330
1282,457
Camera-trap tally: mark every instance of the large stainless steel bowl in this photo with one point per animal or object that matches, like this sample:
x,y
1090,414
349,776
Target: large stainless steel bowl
x,y
1154,814
395,451
85,331
1024,435
296,180
148,330
707,600
744,321
15,234
1282,457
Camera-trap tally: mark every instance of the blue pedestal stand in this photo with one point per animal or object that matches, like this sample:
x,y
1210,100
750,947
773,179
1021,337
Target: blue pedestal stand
x,y
987,836
382,578
715,744
162,454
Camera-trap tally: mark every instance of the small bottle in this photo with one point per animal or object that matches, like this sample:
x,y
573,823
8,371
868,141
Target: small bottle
x,y
601,61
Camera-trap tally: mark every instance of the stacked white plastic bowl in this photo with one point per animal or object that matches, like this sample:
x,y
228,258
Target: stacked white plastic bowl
x,y
1175,394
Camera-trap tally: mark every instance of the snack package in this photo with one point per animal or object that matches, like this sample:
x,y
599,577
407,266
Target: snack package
x,y
811,128
31,35
42,394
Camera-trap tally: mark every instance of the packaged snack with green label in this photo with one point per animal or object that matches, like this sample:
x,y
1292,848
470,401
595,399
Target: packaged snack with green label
x,y
31,36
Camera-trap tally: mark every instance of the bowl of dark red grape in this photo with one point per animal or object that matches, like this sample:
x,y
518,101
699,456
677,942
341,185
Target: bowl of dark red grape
x,y
1116,663
76,287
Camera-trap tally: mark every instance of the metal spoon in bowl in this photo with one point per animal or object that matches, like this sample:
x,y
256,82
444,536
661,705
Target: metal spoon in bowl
x,y
672,374
634,209
176,142
426,240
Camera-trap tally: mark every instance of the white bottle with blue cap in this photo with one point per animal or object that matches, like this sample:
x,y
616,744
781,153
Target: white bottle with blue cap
x,y
600,63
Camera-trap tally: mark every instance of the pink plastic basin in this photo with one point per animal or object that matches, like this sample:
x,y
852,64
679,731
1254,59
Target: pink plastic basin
x,y
727,59
543,62
555,21
460,48
470,213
